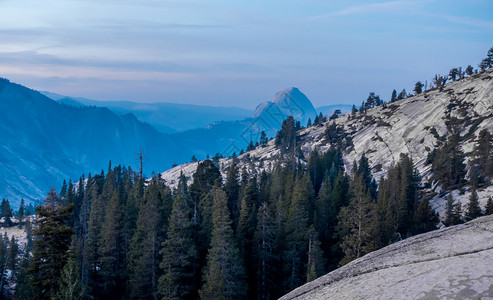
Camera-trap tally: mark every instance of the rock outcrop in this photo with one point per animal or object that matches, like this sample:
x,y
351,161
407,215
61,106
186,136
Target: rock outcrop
x,y
450,263
414,126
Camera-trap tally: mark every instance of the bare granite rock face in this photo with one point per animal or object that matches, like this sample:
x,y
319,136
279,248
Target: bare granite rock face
x,y
451,263
412,126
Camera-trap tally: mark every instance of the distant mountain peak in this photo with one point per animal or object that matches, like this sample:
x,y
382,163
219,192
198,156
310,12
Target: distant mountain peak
x,y
287,102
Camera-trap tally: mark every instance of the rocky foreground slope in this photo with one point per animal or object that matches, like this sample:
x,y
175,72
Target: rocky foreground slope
x,y
451,263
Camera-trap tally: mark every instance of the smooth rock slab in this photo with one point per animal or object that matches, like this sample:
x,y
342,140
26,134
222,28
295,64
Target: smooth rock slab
x,y
451,263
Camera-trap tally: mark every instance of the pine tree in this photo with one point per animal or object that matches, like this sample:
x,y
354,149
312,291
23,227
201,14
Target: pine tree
x,y
489,206
316,260
6,212
224,273
449,210
23,288
483,152
418,87
425,219
112,254
489,57
298,222
286,138
143,256
70,285
358,224
324,214
393,98
203,231
453,73
13,259
91,251
407,196
63,190
457,216
448,166
354,110
440,81
51,247
250,146
265,238
263,139
385,209
22,211
29,234
402,95
179,255
232,189
203,181
3,265
246,230
473,208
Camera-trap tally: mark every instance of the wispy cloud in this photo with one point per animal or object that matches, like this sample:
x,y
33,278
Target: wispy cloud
x,y
488,25
390,6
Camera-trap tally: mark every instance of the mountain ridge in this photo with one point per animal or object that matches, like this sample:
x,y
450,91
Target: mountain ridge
x,y
44,142
382,132
165,116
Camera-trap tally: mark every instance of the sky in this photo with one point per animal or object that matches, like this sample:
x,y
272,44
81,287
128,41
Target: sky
x,y
237,53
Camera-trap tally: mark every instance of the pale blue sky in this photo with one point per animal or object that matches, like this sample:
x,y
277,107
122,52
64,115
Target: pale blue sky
x,y
237,53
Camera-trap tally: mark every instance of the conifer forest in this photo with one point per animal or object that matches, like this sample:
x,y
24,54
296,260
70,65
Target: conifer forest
x,y
118,235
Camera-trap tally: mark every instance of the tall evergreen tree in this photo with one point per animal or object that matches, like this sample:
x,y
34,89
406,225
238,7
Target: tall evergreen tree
x,y
232,189
386,210
70,285
402,95
23,287
393,98
21,213
13,259
29,234
358,223
300,217
224,273
263,139
286,138
483,152
425,219
449,210
203,181
179,255
265,238
6,212
488,210
473,208
418,87
112,253
448,166
51,247
354,110
143,256
316,260
324,214
246,230
91,249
